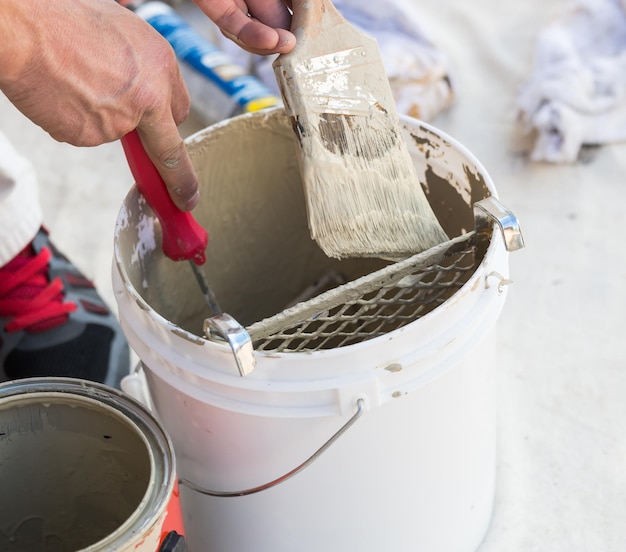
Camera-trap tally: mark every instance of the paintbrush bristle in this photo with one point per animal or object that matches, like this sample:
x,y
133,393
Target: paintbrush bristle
x,y
363,194
368,202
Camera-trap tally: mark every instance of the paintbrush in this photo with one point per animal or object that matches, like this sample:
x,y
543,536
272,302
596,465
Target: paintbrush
x,y
363,195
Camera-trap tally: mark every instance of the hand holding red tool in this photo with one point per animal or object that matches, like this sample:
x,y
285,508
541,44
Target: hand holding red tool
x,y
183,238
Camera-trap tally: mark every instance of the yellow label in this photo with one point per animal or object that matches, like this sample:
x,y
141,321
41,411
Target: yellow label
x,y
261,103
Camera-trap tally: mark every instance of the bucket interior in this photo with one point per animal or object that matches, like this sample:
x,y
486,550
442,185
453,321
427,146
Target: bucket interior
x,y
261,258
71,473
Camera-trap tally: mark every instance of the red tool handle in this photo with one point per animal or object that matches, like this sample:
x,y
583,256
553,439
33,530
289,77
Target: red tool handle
x,y
183,237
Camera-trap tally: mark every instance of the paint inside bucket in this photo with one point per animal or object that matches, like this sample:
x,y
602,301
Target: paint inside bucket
x,y
416,470
81,468
261,256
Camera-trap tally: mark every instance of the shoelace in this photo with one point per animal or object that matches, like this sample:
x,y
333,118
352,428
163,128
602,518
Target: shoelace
x,y
29,299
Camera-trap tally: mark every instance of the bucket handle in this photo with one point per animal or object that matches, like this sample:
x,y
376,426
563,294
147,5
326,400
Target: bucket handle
x,y
360,407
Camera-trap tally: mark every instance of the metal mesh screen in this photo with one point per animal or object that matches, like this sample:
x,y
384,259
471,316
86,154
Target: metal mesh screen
x,y
372,305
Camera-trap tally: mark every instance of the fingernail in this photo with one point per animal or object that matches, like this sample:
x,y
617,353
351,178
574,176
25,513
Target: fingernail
x,y
287,39
193,201
233,37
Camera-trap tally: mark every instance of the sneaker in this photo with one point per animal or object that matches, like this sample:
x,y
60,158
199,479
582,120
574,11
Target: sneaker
x,y
53,323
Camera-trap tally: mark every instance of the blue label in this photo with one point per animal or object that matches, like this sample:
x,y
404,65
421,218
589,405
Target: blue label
x,y
208,60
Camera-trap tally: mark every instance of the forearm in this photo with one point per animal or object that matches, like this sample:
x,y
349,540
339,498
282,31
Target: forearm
x,y
17,43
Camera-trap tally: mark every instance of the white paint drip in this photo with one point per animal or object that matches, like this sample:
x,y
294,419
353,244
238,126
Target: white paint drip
x,y
146,242
123,221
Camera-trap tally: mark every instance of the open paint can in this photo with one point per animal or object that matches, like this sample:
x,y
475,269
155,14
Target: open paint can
x,y
83,467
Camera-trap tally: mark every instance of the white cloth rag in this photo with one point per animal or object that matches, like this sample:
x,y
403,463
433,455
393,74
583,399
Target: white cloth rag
x,y
418,70
576,94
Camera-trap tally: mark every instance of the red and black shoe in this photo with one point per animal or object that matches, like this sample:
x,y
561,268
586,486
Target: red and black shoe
x,y
54,323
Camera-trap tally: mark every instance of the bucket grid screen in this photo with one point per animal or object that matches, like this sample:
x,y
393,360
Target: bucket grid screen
x,y
371,306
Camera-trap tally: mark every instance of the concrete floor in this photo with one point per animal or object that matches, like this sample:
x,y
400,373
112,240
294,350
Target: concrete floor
x,y
561,346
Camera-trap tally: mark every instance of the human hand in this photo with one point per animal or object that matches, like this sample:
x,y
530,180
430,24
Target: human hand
x,y
258,26
89,72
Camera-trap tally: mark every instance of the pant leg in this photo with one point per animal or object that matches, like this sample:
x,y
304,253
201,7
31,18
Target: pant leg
x,y
20,211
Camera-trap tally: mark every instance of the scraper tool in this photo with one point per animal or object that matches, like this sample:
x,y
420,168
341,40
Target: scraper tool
x,y
183,238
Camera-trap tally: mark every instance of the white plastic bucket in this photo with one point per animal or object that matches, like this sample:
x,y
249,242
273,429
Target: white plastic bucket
x,y
84,467
416,470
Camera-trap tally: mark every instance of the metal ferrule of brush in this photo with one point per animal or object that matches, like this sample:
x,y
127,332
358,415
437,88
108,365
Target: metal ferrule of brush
x,y
329,84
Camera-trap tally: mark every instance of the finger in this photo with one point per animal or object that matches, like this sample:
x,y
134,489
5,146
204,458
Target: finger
x,y
254,39
180,101
272,13
166,149
251,34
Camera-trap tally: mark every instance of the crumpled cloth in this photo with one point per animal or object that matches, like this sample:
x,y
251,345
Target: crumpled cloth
x,y
418,70
576,94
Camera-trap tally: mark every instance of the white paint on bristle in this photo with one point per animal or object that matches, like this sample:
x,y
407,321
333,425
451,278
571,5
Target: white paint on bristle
x,y
364,198
369,209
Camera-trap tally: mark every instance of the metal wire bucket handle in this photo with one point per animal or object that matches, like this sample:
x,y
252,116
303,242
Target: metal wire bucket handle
x,y
360,407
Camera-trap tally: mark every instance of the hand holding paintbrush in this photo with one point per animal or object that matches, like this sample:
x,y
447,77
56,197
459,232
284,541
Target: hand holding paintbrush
x,y
363,195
